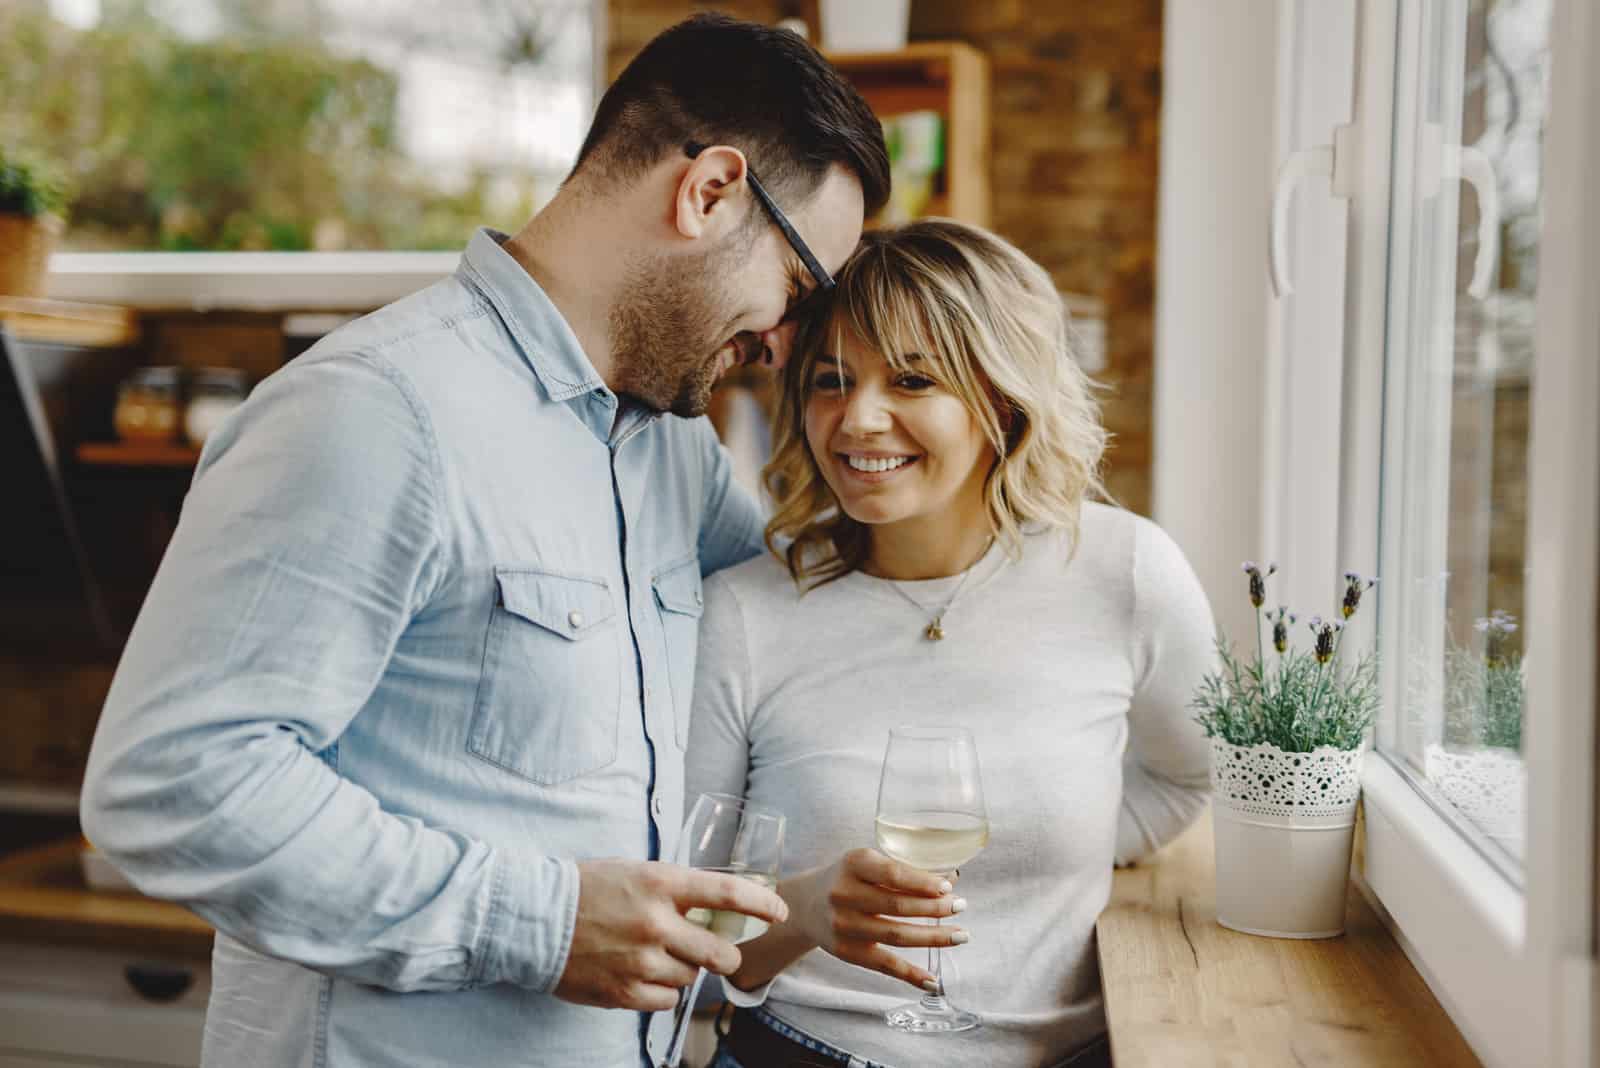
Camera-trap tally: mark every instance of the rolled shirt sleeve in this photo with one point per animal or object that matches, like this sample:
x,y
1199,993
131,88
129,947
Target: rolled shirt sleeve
x,y
309,541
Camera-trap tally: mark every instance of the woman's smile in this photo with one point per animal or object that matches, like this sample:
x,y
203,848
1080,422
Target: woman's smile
x,y
875,466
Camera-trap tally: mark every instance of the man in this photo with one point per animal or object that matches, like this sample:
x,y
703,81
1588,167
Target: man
x,y
404,710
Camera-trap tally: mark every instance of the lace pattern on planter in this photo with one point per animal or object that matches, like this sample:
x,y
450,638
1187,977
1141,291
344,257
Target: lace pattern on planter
x,y
1486,785
1264,780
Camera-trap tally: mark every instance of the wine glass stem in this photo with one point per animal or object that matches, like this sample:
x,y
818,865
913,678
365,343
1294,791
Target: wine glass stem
x,y
935,1000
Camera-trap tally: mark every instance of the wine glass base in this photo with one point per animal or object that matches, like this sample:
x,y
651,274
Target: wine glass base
x,y
918,1018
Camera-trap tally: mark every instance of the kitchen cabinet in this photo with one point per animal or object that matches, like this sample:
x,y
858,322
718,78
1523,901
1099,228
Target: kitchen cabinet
x,y
70,1005
94,978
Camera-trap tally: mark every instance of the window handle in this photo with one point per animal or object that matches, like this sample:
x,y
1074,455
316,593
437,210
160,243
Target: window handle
x,y
1472,166
1337,163
1440,161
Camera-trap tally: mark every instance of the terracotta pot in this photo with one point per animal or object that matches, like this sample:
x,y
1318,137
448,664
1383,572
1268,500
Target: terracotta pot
x,y
25,247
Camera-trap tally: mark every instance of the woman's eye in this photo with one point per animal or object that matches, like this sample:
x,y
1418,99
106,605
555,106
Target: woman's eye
x,y
828,381
915,382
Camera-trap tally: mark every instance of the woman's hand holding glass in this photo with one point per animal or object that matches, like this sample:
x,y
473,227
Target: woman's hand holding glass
x,y
851,907
931,814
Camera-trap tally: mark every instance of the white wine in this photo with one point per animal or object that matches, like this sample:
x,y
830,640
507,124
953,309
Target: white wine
x,y
933,841
736,927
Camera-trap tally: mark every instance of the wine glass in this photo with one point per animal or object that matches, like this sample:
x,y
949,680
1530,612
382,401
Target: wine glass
x,y
931,816
726,834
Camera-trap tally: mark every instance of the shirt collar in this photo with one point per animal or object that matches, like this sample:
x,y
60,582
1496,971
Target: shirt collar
x,y
547,341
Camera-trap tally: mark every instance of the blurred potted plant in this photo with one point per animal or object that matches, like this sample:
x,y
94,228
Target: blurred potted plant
x,y
33,200
1478,766
1287,733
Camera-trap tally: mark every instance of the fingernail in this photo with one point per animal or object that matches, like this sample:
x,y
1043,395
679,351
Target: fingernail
x,y
930,986
959,938
958,905
945,887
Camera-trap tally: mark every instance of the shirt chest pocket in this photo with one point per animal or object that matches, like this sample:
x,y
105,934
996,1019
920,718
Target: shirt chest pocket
x,y
680,603
549,697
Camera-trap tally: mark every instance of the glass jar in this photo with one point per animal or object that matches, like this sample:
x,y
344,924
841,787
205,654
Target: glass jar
x,y
215,392
147,405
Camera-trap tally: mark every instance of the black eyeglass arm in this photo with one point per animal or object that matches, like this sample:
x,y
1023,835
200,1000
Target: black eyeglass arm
x,y
823,279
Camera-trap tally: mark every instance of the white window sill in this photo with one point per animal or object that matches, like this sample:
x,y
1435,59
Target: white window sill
x,y
245,281
1462,923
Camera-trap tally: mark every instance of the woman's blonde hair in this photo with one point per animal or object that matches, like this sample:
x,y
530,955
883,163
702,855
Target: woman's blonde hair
x,y
991,329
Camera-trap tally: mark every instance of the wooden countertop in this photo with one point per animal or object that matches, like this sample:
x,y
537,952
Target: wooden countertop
x,y
43,898
69,322
1182,990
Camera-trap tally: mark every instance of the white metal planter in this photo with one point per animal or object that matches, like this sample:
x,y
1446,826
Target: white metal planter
x,y
1487,785
1284,825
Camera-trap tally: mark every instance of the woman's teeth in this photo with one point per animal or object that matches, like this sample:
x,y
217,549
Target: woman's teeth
x,y
874,465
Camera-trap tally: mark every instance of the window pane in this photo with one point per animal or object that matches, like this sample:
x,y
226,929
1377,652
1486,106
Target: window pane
x,y
1466,187
297,124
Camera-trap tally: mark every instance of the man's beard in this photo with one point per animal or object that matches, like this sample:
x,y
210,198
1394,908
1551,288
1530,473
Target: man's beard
x,y
664,337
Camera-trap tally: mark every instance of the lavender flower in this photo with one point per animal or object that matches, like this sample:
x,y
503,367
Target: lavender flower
x,y
1281,621
1325,633
1355,586
1496,628
1499,622
1258,581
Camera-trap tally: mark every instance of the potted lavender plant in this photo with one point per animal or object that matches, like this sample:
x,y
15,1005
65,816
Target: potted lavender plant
x,y
1287,733
1477,766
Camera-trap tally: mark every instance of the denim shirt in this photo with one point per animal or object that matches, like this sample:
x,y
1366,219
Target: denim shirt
x,y
424,638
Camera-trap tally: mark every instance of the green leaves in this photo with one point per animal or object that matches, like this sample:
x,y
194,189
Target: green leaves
x,y
1483,699
29,188
1294,703
1297,701
246,140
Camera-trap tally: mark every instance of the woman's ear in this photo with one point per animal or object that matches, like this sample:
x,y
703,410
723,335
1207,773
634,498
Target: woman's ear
x,y
709,192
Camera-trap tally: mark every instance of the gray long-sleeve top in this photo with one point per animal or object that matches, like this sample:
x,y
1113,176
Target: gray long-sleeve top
x,y
1074,676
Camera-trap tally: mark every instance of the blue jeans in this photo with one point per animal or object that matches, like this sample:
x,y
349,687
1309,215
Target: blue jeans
x,y
1096,1054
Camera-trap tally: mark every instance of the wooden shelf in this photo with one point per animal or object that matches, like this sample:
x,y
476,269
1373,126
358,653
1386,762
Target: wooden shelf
x,y
69,322
137,454
951,78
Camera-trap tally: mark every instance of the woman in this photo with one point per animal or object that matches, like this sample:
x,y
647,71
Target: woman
x,y
943,563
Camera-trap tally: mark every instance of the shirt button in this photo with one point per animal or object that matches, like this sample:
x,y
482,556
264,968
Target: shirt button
x,y
574,619
699,598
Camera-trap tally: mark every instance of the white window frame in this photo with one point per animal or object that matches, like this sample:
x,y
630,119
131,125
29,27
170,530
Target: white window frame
x,y
267,281
245,281
1514,967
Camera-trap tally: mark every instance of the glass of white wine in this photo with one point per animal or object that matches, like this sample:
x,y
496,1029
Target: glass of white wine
x,y
931,815
726,834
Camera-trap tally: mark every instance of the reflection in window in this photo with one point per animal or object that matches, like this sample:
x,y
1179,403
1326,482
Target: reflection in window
x,y
1457,527
297,124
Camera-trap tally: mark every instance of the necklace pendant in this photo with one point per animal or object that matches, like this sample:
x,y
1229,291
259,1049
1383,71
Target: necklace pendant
x,y
935,632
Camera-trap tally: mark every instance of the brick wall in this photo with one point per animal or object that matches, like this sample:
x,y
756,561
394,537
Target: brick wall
x,y
1076,118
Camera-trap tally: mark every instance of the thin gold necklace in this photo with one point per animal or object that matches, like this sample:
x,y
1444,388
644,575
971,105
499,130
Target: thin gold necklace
x,y
934,631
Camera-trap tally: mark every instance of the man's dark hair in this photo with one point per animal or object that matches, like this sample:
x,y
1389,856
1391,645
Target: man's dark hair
x,y
717,80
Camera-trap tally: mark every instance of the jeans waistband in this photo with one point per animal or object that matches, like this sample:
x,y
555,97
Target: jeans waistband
x,y
778,1039
800,1047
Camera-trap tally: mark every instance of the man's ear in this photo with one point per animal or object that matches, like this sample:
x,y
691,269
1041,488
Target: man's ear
x,y
709,193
